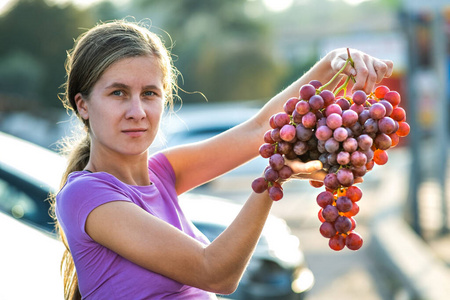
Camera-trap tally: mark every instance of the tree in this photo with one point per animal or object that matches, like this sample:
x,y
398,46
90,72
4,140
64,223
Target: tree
x,y
220,51
35,37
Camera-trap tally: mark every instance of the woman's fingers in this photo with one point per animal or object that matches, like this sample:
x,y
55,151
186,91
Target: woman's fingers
x,y
299,167
316,176
312,170
367,70
359,180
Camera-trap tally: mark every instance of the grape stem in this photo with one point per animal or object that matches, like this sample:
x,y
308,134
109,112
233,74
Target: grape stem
x,y
334,77
343,87
292,121
348,60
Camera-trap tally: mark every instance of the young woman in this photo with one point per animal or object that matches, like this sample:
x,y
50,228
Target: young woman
x,y
125,233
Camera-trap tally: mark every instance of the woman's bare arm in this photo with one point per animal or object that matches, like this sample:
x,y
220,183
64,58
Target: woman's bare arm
x,y
198,163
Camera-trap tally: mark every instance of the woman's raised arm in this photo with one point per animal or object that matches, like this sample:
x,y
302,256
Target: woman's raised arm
x,y
195,164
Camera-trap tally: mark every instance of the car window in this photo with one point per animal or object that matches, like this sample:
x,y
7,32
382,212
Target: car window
x,y
24,201
15,202
210,230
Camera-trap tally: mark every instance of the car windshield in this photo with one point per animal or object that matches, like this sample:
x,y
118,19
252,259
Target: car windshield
x,y
24,201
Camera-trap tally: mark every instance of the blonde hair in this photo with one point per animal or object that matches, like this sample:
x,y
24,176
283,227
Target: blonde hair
x,y
93,53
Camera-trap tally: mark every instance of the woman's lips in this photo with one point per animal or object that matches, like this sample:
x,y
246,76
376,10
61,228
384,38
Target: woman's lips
x,y
134,132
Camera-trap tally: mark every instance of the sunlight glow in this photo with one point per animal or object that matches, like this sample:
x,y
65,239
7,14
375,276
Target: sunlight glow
x,y
79,3
6,4
355,2
278,5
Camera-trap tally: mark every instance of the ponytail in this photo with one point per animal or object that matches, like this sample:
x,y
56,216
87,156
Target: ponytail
x,y
78,157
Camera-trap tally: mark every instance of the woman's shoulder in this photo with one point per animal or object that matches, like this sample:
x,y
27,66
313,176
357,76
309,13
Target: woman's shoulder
x,y
87,185
84,191
84,179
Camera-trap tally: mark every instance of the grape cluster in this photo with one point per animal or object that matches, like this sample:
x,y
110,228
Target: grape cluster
x,y
348,134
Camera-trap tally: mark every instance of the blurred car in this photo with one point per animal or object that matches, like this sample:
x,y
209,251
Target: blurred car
x,y
197,122
30,254
277,269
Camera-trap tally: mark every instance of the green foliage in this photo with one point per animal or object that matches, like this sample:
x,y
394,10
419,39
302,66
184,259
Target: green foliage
x,y
220,51
41,34
225,49
20,74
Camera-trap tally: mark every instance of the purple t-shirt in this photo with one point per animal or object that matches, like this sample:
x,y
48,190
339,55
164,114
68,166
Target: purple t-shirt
x,y
103,274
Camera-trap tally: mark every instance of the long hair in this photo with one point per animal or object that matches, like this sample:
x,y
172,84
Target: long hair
x,y
93,52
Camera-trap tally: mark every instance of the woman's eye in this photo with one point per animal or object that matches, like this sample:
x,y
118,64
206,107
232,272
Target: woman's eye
x,y
149,93
117,93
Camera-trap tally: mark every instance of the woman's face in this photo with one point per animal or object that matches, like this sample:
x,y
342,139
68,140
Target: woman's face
x,y
125,106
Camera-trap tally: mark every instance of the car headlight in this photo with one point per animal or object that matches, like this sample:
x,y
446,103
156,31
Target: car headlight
x,y
286,250
303,280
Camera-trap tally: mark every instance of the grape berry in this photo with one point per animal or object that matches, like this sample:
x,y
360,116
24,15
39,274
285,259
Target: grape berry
x,y
348,134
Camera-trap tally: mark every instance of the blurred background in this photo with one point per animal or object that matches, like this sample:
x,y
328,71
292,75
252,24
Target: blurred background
x,y
233,56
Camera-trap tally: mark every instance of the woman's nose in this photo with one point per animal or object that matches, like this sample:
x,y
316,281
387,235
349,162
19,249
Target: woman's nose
x,y
135,110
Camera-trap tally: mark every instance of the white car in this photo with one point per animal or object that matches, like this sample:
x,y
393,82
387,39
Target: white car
x,y
30,254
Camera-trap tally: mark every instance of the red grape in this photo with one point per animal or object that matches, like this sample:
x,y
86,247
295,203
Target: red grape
x,y
349,118
403,129
307,91
377,111
344,204
393,97
259,185
302,107
287,133
359,97
398,114
334,121
290,104
328,97
275,193
342,224
276,161
380,157
323,133
347,134
354,193
309,120
316,102
337,242
380,91
327,230
325,198
353,241
330,213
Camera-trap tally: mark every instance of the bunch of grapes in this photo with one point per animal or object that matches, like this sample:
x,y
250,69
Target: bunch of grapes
x,y
348,134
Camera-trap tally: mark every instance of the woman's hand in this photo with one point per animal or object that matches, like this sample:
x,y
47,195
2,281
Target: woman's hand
x,y
312,170
367,69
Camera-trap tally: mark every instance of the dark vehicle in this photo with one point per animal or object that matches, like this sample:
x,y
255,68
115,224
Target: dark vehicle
x,y
28,173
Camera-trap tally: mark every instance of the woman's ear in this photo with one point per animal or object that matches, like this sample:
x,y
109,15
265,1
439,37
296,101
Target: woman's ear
x,y
82,106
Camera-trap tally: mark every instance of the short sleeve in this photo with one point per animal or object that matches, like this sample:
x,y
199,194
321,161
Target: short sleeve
x,y
80,196
162,168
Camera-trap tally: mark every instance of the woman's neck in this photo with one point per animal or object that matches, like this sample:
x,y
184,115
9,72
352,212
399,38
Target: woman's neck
x,y
132,170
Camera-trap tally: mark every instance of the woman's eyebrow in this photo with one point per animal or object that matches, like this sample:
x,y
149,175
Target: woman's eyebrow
x,y
117,85
152,87
125,86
